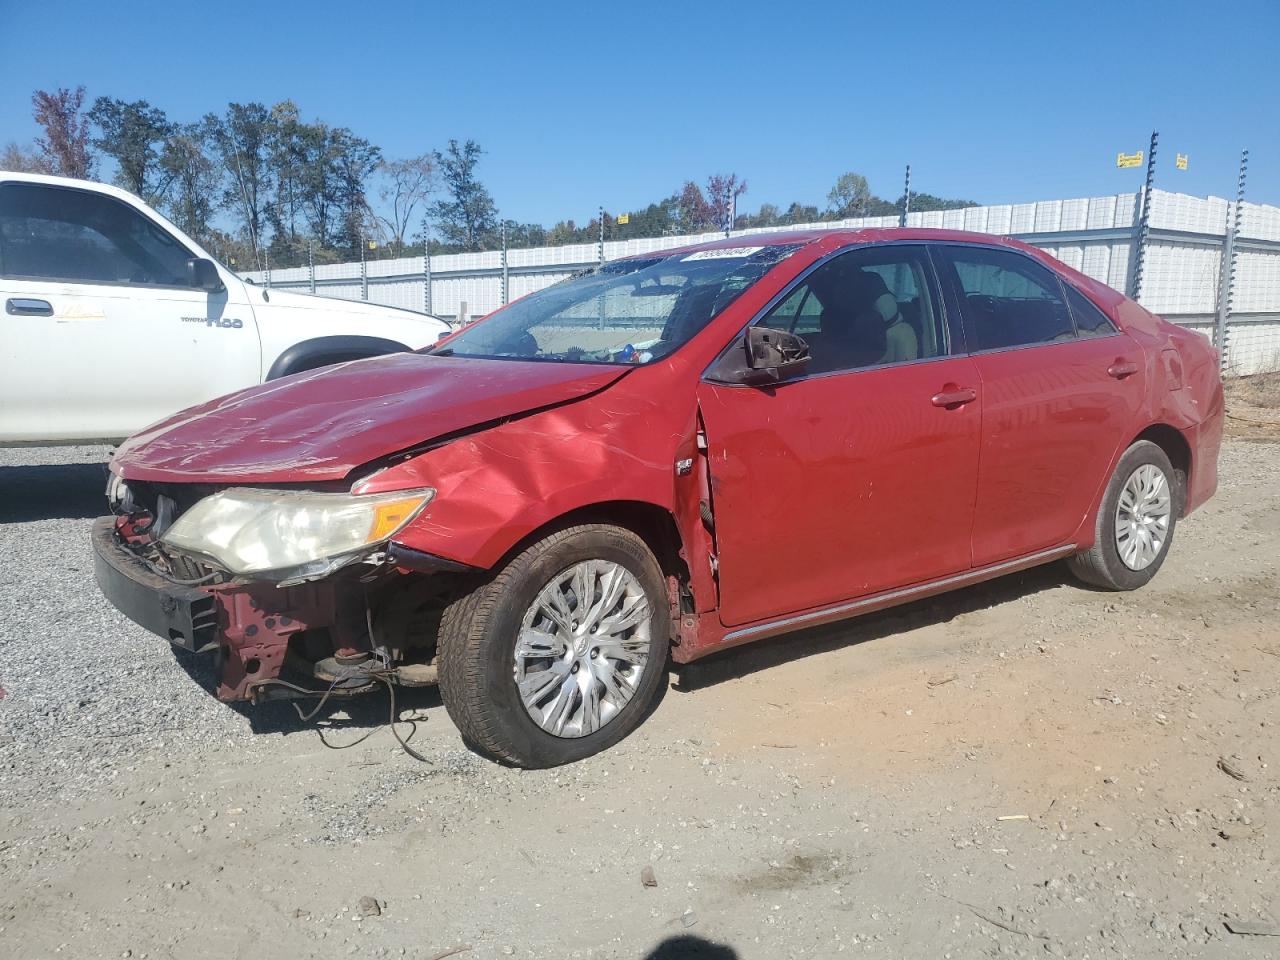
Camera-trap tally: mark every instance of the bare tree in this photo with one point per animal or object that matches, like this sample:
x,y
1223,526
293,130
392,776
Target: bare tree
x,y
405,185
65,144
20,159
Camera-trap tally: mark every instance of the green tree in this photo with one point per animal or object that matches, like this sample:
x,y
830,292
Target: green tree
x,y
241,139
195,179
354,159
133,135
801,213
467,215
927,201
288,156
850,197
64,148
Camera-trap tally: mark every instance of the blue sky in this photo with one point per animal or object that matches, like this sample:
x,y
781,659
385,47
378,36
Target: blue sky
x,y
579,104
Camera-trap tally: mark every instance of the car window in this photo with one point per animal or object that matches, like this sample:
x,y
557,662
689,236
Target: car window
x,y
1009,299
635,310
865,308
59,233
1089,318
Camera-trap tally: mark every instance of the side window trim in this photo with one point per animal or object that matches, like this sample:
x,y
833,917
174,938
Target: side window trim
x,y
154,223
1112,329
932,276
967,319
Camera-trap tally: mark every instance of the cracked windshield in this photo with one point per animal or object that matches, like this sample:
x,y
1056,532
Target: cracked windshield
x,y
628,311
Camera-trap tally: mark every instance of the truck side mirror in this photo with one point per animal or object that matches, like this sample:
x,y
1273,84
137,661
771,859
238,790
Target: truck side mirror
x,y
203,275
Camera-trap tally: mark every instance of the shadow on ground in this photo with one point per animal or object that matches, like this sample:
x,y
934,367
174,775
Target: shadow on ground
x,y
691,948
54,491
368,711
750,658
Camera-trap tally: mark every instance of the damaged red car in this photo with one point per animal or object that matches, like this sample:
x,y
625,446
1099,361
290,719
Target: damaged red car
x,y
670,455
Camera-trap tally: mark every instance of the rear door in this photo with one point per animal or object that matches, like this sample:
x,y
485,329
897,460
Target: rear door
x,y
100,330
1060,392
859,475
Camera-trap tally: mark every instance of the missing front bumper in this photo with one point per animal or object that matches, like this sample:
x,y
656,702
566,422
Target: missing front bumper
x,y
185,616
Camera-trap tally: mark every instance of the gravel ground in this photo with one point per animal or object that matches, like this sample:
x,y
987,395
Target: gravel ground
x,y
1024,769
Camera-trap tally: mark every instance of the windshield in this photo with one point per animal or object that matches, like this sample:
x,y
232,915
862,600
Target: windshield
x,y
627,311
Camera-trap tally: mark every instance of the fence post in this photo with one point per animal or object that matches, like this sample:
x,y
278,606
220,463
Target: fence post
x,y
311,265
426,271
601,245
1144,222
1226,292
906,199
364,272
506,276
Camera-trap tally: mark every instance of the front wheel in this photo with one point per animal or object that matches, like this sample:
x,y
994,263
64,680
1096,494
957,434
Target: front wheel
x,y
1135,524
561,654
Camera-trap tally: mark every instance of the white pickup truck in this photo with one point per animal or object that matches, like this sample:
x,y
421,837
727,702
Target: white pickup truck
x,y
112,318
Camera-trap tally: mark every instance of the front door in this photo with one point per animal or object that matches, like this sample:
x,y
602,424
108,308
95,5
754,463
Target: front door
x,y
859,475
100,330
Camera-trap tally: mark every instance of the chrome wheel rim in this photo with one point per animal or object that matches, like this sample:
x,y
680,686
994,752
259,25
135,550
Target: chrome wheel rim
x,y
583,647
1142,517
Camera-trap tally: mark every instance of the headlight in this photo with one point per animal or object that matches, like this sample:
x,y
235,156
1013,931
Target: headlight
x,y
249,531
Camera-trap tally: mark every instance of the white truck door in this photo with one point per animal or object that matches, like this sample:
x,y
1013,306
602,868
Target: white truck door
x,y
101,332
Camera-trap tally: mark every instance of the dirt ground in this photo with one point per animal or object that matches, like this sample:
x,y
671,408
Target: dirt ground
x,y
1253,407
1027,768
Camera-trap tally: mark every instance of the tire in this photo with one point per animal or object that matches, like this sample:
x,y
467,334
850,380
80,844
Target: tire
x,y
1104,564
483,627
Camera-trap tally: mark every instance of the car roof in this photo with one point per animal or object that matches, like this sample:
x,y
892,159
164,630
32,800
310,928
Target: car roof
x,y
849,235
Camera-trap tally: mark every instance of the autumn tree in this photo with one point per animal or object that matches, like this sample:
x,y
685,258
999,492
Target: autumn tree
x,y
466,215
133,135
64,148
723,191
694,213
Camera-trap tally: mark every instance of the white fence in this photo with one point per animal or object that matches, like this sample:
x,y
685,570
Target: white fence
x,y
1183,276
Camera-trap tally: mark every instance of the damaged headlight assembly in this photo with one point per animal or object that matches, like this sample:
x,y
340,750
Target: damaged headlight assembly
x,y
289,534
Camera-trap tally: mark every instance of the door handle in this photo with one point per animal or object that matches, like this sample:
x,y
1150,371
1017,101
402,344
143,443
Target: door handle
x,y
954,397
24,307
1121,369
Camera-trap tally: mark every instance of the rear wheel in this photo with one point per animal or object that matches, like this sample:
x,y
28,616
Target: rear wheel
x,y
560,655
1135,524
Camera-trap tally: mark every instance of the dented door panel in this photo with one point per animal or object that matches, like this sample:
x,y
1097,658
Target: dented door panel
x,y
856,479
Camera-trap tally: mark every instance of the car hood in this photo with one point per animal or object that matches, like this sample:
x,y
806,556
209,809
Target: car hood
x,y
322,424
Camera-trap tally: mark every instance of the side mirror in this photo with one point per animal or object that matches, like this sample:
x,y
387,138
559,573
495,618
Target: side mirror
x,y
773,355
203,275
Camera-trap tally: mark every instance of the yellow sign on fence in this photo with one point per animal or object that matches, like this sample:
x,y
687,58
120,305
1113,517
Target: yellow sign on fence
x,y
1180,161
624,218
1129,159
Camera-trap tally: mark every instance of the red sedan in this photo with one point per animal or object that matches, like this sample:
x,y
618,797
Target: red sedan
x,y
668,456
